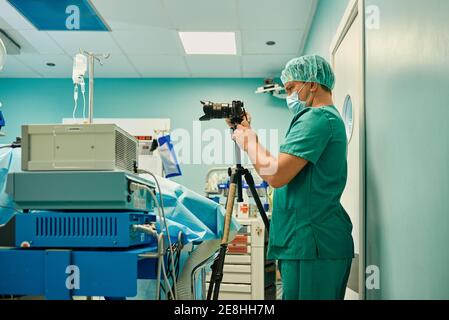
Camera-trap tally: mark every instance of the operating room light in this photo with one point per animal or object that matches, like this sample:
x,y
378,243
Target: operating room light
x,y
209,42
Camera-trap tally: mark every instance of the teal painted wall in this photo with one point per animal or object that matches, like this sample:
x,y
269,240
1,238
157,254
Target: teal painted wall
x,y
324,26
408,149
28,101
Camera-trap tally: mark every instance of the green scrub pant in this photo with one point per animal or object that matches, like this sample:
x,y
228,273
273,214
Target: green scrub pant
x,y
314,279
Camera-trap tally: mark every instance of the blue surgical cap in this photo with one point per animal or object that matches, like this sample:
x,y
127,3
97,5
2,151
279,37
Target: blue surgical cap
x,y
310,68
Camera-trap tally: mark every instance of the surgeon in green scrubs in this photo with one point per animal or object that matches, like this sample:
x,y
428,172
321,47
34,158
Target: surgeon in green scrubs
x,y
310,233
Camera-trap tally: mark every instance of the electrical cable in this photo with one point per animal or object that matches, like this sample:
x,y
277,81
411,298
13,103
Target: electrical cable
x,y
177,259
148,229
11,208
174,274
162,218
167,281
151,230
12,146
163,221
75,97
161,206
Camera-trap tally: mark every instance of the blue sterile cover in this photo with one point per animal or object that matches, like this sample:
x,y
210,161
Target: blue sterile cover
x,y
198,218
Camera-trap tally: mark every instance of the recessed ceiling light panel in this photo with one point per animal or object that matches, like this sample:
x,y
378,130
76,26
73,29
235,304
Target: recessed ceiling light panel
x,y
209,42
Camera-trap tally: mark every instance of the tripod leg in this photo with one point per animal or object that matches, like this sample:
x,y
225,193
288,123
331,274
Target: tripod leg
x,y
229,209
217,267
239,185
213,279
252,187
220,265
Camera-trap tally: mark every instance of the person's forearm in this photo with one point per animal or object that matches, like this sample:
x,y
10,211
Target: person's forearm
x,y
277,172
265,164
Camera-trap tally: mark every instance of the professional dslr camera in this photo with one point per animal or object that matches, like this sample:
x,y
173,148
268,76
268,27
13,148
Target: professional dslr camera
x,y
235,111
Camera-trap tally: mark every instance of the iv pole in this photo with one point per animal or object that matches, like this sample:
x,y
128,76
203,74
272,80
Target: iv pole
x,y
91,59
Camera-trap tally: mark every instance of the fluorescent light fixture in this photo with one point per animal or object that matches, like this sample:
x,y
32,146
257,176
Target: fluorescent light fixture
x,y
209,42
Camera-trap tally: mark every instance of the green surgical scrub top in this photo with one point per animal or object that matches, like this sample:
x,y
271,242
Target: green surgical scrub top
x,y
308,220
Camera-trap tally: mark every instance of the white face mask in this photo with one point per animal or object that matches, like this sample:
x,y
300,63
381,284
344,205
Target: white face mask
x,y
295,105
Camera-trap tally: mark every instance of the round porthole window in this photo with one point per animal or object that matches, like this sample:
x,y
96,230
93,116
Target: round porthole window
x,y
348,117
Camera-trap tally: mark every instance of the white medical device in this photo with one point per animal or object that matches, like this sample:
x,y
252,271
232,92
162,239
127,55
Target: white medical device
x,y
2,54
79,71
78,147
270,87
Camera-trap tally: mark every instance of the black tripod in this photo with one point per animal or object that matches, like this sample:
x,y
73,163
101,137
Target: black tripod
x,y
236,174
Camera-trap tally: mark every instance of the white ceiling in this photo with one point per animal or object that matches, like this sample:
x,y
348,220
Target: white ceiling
x,y
144,41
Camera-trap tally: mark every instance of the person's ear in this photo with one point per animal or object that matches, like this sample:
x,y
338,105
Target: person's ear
x,y
314,87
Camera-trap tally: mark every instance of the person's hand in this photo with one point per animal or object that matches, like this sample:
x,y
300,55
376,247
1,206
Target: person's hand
x,y
244,137
246,122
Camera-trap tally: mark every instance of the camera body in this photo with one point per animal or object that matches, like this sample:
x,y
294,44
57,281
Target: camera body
x,y
234,111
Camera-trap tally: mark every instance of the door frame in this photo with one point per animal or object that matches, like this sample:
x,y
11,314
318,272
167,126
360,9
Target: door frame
x,y
356,7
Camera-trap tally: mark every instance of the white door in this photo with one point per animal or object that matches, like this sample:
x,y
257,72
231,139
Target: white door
x,y
347,56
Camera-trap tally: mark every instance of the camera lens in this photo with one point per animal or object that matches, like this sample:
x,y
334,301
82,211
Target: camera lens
x,y
215,111
233,111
